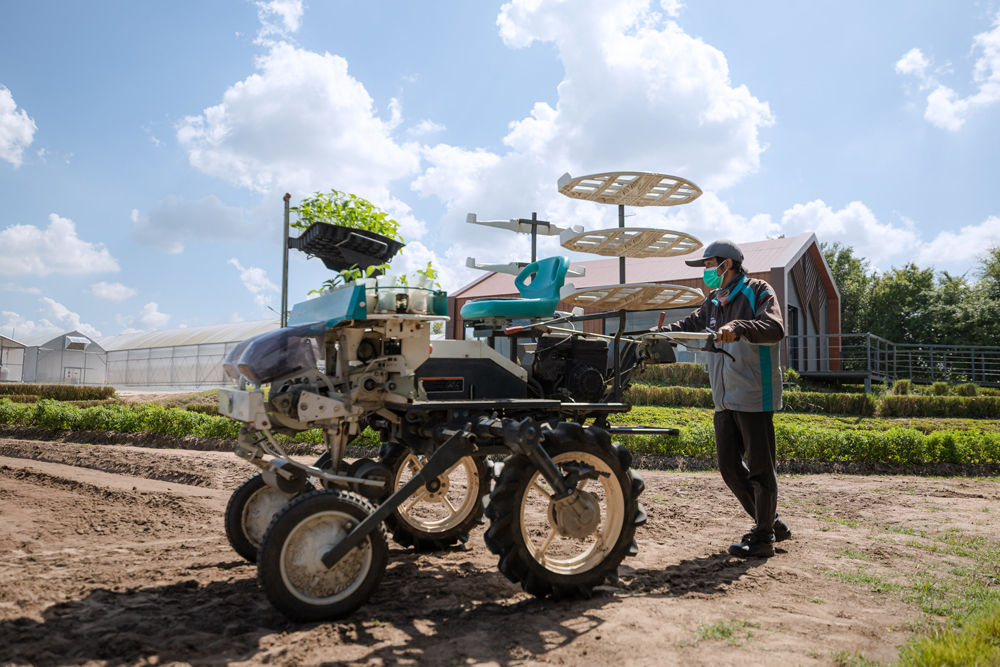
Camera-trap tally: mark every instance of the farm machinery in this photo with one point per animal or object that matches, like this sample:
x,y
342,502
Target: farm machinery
x,y
562,505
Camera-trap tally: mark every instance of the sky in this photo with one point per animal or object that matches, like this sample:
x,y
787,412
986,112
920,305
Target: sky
x,y
145,147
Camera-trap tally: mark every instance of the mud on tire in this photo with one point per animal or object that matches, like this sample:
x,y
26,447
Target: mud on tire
x,y
435,530
289,568
543,563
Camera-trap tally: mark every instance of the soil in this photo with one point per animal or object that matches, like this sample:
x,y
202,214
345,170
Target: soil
x,y
116,555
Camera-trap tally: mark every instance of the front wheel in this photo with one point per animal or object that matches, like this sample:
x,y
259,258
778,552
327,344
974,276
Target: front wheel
x,y
290,569
533,551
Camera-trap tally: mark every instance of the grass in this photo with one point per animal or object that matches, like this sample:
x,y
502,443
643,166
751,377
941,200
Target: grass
x,y
730,632
845,659
960,602
975,643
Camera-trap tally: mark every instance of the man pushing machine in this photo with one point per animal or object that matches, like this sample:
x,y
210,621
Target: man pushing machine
x,y
746,389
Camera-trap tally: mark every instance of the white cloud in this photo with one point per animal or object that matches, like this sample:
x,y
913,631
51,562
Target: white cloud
x,y
17,130
885,243
913,62
288,14
57,317
946,109
112,291
970,242
256,282
425,127
855,225
151,318
17,327
174,219
672,7
14,287
26,249
639,93
303,124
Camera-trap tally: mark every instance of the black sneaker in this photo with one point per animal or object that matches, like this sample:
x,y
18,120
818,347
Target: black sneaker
x,y
781,530
753,545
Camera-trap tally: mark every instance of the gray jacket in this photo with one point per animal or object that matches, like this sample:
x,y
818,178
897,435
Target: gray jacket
x,y
752,383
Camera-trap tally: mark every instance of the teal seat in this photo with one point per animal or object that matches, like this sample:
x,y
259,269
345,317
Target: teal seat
x,y
539,299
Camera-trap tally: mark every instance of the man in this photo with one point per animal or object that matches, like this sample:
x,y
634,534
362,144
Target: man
x,y
747,320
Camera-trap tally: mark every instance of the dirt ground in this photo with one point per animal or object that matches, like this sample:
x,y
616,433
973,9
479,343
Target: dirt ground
x,y
117,555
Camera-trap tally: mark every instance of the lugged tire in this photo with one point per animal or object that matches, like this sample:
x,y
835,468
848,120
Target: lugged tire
x,y
236,516
288,565
506,534
406,534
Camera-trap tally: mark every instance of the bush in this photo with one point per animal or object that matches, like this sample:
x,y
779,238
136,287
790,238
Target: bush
x,y
940,388
645,394
902,387
22,398
685,374
59,392
845,404
792,375
967,389
203,409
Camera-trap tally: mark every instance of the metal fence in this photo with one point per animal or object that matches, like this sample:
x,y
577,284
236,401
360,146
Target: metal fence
x,y
882,360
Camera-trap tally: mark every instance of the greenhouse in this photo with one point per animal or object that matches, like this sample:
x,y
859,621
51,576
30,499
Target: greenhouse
x,y
188,357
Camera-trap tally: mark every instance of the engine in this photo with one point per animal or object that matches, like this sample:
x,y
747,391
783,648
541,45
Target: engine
x,y
571,366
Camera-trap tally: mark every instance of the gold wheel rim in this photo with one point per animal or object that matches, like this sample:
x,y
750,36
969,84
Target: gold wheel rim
x,y
566,555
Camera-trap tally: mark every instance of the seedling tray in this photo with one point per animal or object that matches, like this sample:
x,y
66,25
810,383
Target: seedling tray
x,y
343,247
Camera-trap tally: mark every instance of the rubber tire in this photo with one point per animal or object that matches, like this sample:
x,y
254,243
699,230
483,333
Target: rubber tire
x,y
269,555
406,535
504,536
235,533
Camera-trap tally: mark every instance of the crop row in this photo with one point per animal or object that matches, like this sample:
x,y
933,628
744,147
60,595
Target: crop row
x,y
58,392
864,405
795,441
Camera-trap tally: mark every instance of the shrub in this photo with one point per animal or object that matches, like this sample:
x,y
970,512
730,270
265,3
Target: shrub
x,y
22,398
685,374
644,394
203,409
940,388
967,389
59,392
792,375
848,404
902,387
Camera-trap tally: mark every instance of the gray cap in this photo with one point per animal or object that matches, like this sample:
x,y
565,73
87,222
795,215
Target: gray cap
x,y
723,248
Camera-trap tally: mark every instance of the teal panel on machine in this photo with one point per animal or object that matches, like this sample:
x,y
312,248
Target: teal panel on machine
x,y
346,303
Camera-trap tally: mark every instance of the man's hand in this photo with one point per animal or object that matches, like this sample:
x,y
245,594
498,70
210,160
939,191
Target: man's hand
x,y
725,334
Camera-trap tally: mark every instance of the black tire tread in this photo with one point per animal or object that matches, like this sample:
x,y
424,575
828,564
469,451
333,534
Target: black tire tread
x,y
503,511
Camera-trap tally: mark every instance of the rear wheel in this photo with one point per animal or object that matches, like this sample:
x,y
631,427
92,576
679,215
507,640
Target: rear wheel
x,y
249,513
290,569
438,517
523,530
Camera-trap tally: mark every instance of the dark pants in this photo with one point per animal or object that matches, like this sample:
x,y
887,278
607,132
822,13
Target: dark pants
x,y
749,435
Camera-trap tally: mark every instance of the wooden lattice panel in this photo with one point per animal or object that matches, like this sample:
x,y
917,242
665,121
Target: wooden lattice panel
x,y
637,296
631,188
640,242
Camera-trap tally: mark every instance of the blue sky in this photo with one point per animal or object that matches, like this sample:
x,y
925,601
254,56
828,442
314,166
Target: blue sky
x,y
144,148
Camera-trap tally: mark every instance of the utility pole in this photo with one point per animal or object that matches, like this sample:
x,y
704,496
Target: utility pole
x,y
284,268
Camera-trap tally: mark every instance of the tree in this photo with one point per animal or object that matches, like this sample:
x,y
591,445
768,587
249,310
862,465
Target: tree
x,y
853,279
897,303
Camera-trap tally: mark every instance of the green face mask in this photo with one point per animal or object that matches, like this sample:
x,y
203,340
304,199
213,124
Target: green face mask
x,y
712,277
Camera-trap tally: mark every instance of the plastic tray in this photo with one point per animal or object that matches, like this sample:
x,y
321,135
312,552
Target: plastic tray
x,y
342,247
